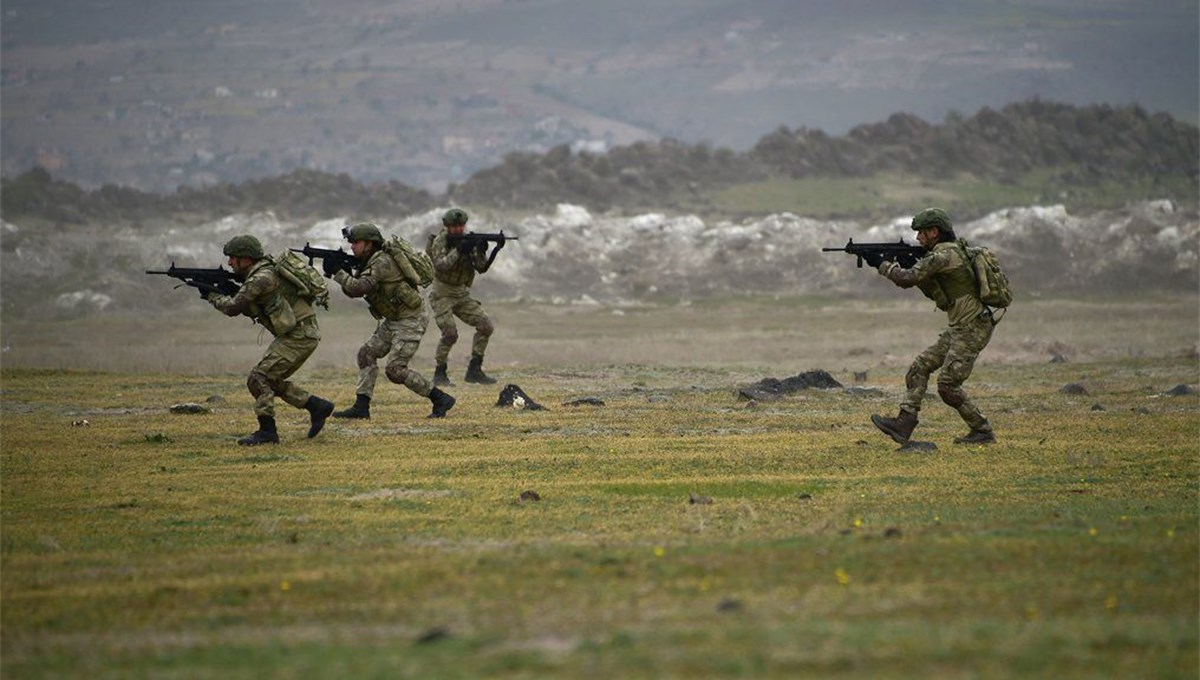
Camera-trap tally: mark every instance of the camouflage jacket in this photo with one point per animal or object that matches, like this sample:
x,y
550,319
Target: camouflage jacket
x,y
268,299
945,276
389,295
452,270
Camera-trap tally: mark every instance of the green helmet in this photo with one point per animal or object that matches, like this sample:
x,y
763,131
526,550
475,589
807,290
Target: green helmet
x,y
932,217
454,217
244,246
363,231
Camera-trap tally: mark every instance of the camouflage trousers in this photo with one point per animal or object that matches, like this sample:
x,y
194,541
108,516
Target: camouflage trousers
x,y
401,338
448,305
287,353
954,352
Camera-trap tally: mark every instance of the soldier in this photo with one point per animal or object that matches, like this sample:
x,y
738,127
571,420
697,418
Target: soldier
x,y
945,276
455,263
274,302
395,302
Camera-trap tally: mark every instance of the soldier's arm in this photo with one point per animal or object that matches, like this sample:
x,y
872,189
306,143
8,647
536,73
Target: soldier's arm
x,y
480,260
444,257
257,288
356,286
920,272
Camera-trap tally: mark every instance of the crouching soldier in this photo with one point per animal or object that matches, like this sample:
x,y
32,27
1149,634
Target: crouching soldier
x,y
395,302
271,300
455,262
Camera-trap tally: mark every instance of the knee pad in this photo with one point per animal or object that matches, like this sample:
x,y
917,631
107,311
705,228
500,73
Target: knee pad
x,y
449,336
397,373
258,384
486,328
951,394
365,357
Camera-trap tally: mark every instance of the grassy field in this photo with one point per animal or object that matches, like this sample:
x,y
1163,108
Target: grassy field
x,y
148,544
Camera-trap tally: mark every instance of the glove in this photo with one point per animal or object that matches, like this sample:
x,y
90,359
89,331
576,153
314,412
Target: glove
x,y
873,259
464,246
481,247
500,241
329,267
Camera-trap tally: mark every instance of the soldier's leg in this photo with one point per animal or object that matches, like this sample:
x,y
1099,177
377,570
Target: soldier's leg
x,y
375,348
443,316
965,345
472,314
916,381
285,356
406,337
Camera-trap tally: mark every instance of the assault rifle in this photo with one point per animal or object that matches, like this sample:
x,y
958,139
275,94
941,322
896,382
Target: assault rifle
x,y
217,280
332,260
903,253
477,241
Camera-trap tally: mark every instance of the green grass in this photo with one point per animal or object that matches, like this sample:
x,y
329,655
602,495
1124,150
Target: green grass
x,y
1069,549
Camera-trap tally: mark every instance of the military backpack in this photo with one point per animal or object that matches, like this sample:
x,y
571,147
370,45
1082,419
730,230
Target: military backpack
x,y
415,266
309,283
994,290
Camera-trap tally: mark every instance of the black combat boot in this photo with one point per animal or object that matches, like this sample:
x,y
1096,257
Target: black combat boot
x,y
360,409
440,378
475,372
442,403
977,437
266,433
899,428
318,410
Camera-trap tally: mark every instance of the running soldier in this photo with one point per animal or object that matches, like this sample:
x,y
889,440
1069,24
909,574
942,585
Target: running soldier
x,y
945,276
271,300
393,299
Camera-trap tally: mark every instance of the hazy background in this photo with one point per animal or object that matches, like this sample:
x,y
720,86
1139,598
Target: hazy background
x,y
178,92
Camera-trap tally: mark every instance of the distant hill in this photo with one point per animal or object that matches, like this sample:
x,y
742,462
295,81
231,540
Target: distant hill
x,y
158,95
1052,145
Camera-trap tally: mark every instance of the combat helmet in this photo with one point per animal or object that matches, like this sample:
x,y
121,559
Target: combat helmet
x,y
244,246
454,217
363,231
932,217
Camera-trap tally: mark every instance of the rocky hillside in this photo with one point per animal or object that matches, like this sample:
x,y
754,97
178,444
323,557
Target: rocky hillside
x,y
572,256
1063,145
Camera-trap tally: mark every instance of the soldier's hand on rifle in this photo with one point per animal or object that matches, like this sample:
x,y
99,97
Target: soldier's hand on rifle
x,y
329,267
500,240
873,259
464,246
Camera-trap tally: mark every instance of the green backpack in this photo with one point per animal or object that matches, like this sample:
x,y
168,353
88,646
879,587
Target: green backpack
x,y
994,290
309,283
415,266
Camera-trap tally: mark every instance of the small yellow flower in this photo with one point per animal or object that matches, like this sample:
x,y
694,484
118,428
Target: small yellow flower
x,y
1093,531
1171,532
659,551
858,521
285,586
1110,602
842,577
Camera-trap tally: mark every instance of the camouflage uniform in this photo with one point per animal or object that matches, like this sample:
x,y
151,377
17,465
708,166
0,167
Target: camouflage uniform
x,y
273,302
453,274
402,321
945,276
